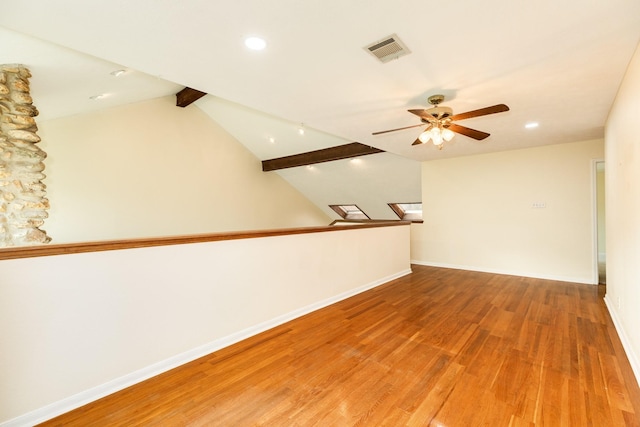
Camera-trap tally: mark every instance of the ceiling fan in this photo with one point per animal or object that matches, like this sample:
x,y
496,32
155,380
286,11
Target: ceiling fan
x,y
439,121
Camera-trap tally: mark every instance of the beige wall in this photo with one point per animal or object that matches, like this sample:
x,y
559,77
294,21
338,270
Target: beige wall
x,y
153,169
622,157
76,327
478,212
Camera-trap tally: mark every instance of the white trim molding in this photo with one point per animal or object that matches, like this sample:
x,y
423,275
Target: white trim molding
x,y
634,360
580,280
73,402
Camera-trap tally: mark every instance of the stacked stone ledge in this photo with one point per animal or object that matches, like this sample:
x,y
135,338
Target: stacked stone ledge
x,y
23,205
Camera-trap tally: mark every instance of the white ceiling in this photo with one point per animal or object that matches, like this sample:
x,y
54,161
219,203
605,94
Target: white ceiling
x,y
63,79
556,63
370,181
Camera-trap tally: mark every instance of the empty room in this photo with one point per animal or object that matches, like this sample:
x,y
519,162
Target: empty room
x,y
319,213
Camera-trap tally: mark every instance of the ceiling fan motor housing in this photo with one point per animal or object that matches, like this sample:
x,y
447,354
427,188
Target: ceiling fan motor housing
x,y
435,99
440,113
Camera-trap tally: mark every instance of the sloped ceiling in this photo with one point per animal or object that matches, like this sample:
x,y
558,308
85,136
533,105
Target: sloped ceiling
x,y
556,63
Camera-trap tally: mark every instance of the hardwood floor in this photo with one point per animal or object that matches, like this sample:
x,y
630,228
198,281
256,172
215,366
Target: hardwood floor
x,y
439,347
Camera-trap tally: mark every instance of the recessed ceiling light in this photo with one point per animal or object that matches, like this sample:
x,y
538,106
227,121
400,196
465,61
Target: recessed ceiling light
x,y
118,73
272,140
531,125
255,43
356,161
310,167
97,97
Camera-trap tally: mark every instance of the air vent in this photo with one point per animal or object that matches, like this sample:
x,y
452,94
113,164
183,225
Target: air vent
x,y
389,48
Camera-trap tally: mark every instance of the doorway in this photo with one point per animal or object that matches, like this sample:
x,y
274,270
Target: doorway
x,y
600,216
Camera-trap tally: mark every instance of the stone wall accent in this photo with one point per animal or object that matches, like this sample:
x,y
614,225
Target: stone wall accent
x,y
23,206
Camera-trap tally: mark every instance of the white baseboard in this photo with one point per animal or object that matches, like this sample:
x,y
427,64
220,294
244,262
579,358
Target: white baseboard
x,y
65,405
626,344
581,280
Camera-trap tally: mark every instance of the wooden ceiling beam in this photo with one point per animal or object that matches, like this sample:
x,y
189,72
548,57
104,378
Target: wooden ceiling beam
x,y
188,96
346,151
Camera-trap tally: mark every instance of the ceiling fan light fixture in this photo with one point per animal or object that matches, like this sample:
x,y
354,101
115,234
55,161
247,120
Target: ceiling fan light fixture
x,y
447,134
425,136
436,136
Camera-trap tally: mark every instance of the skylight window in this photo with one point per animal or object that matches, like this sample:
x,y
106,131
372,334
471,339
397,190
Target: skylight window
x,y
350,212
408,211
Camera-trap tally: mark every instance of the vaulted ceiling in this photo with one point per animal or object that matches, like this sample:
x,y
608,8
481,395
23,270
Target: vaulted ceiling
x,y
555,63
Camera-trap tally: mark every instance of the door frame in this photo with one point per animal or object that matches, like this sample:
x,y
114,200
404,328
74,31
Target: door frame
x,y
594,217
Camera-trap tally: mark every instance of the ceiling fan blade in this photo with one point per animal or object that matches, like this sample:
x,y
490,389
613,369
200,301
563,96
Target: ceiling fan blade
x,y
423,114
471,133
393,130
481,112
417,142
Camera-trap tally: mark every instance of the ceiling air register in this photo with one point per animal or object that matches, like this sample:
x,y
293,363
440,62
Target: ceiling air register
x,y
389,48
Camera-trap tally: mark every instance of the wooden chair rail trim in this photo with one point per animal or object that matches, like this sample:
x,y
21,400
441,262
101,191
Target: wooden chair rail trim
x,y
112,245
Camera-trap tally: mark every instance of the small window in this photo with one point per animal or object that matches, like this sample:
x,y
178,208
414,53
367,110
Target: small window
x,y
350,212
408,211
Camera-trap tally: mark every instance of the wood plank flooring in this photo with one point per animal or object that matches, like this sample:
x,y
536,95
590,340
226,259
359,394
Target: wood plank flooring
x,y
439,347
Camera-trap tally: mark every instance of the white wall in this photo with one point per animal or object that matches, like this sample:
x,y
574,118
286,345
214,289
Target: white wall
x,y
76,327
152,169
478,212
371,182
622,158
